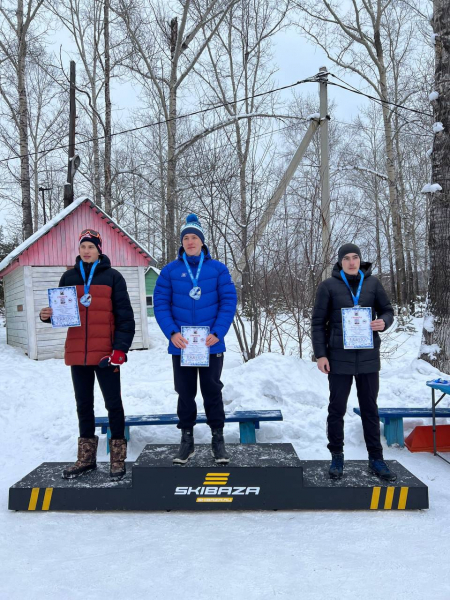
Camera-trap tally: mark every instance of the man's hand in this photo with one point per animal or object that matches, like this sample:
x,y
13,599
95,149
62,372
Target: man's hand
x,y
211,340
377,325
115,359
178,340
46,313
323,365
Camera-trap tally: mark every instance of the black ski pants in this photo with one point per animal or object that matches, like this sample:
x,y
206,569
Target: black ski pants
x,y
185,379
367,386
83,378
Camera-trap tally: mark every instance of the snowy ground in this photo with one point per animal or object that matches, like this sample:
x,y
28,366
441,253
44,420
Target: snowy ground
x,y
253,556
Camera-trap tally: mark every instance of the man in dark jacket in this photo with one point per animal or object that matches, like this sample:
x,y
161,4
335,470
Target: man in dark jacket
x,y
351,285
196,290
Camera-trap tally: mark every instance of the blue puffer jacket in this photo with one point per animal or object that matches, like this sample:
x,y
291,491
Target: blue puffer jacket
x,y
215,308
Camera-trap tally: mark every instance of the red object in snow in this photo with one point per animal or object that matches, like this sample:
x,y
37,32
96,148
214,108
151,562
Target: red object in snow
x,y
421,439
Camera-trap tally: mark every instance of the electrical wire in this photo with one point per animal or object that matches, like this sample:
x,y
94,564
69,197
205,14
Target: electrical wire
x,y
164,121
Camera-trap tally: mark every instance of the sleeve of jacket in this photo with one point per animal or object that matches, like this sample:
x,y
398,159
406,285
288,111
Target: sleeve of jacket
x,y
61,284
227,303
124,325
162,298
319,321
383,307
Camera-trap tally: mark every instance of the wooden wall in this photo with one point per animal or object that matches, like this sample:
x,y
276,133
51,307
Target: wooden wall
x,y
16,320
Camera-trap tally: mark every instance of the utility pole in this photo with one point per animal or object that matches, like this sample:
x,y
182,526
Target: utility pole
x,y
273,202
43,189
324,173
68,187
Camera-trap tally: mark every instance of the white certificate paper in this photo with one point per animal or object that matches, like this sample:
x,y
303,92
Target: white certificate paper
x,y
196,353
356,328
64,303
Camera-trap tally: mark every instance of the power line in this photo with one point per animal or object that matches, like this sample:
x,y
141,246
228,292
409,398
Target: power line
x,y
354,90
192,114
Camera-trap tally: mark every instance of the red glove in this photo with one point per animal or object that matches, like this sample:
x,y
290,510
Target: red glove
x,y
115,359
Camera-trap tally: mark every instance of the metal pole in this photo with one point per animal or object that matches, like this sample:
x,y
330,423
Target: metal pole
x,y
68,187
43,189
324,172
273,203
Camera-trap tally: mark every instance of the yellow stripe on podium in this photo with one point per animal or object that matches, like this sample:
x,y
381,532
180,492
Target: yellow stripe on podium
x,y
389,498
47,499
375,498
33,499
403,498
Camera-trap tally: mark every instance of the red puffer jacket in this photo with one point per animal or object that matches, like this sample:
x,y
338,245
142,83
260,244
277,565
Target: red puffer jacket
x,y
107,324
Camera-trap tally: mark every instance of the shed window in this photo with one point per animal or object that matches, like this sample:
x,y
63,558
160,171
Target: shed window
x,y
150,300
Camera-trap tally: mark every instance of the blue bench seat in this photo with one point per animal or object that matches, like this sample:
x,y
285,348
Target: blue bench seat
x,y
393,420
248,420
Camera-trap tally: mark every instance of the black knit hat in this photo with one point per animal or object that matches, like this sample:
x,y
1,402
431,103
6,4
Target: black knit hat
x,y
348,249
92,236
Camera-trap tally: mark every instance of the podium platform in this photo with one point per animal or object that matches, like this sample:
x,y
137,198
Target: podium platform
x,y
258,477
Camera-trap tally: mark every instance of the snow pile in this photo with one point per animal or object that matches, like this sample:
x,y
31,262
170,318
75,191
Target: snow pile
x,y
431,188
313,116
429,152
438,127
430,349
433,96
428,323
47,555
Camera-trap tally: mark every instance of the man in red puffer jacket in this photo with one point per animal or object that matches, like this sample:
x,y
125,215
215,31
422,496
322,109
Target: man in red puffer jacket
x,y
97,348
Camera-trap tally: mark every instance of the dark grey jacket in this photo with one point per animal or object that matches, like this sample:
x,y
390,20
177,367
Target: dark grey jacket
x,y
327,338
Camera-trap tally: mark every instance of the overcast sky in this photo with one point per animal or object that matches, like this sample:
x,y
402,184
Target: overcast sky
x,y
294,57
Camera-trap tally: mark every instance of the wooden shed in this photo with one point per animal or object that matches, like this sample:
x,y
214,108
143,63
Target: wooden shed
x,y
150,281
38,263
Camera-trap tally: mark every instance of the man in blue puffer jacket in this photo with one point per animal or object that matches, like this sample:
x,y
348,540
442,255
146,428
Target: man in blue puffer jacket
x,y
211,301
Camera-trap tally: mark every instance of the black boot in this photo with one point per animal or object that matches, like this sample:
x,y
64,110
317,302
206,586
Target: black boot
x,y
186,449
218,447
378,467
337,465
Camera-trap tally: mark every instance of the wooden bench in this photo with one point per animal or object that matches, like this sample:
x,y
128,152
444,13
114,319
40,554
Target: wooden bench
x,y
248,420
393,420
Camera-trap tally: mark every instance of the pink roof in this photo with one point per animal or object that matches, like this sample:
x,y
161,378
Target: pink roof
x,y
56,243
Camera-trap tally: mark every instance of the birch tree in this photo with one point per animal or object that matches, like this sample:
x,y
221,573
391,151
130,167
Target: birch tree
x,y
16,22
365,37
436,333
162,53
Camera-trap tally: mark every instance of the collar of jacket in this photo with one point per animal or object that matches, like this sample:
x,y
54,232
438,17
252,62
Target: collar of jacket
x,y
104,263
366,268
194,260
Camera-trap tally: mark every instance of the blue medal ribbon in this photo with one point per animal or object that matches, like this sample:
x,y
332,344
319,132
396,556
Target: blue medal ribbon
x,y
358,293
191,275
91,275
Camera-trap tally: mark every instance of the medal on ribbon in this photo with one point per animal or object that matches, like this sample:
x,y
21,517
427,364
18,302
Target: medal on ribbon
x,y
86,299
196,292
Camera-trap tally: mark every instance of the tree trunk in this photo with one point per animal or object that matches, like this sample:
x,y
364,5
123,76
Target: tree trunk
x,y
436,333
27,218
171,146
107,112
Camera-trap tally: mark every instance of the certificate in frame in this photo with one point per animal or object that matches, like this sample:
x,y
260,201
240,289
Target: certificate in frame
x,y
196,353
356,328
64,303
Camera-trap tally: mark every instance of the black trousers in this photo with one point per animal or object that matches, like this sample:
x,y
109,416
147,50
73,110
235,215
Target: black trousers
x,y
83,378
185,379
367,386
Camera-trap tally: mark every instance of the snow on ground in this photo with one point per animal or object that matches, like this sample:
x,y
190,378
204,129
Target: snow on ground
x,y
248,555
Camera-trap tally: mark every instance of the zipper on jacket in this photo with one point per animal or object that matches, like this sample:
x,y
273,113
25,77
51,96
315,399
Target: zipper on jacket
x,y
86,331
